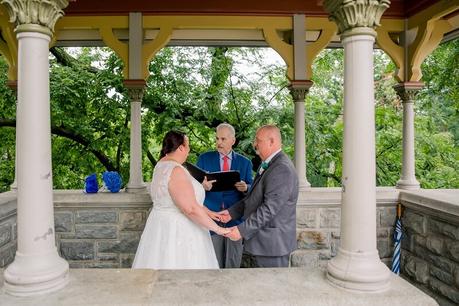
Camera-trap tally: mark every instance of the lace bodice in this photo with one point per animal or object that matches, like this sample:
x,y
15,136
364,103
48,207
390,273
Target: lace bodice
x,y
159,186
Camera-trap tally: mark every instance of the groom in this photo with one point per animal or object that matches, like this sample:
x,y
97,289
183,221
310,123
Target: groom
x,y
269,209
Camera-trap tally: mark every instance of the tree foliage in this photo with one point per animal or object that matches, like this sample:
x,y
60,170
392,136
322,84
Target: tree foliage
x,y
195,89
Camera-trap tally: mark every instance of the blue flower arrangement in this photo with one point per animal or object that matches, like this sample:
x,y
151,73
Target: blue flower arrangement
x,y
112,180
90,184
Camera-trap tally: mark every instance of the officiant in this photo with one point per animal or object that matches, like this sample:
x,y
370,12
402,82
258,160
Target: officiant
x,y
229,253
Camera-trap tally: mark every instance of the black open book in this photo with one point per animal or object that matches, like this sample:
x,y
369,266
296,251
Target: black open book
x,y
225,180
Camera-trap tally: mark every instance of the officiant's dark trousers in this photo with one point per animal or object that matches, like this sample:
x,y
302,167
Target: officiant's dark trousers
x,y
272,261
229,253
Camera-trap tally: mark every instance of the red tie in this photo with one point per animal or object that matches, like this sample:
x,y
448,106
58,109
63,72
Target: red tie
x,y
225,163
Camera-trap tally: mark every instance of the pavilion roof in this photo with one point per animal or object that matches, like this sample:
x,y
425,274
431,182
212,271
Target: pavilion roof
x,y
397,9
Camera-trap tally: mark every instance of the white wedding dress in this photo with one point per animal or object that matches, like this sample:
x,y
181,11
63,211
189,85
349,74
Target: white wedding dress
x,y
170,240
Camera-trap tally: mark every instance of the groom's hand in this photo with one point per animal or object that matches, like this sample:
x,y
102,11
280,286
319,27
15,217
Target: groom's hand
x,y
224,216
234,234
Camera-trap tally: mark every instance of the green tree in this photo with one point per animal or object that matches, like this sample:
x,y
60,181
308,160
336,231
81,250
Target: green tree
x,y
195,89
8,132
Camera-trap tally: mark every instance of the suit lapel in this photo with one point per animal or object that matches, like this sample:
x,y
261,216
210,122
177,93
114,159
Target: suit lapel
x,y
255,182
257,179
271,163
216,162
234,161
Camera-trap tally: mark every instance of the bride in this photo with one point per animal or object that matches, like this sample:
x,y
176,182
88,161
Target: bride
x,y
176,234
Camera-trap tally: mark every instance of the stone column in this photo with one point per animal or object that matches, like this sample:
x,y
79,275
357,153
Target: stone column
x,y
407,92
135,89
299,90
13,85
37,267
357,265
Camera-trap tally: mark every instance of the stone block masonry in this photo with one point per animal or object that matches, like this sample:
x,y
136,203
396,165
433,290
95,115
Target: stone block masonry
x,y
99,230
8,228
103,230
430,248
319,221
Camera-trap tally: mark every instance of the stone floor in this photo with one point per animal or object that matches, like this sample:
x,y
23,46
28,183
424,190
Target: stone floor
x,y
294,286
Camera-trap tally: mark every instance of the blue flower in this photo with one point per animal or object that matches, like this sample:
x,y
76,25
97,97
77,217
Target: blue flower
x,y
112,180
90,184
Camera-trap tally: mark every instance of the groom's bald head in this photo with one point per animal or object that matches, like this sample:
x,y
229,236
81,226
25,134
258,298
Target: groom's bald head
x,y
267,140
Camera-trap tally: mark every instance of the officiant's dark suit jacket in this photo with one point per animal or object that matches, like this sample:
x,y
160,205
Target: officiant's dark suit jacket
x,y
269,210
220,200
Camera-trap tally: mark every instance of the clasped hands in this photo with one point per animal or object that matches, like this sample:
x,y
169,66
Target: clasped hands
x,y
224,217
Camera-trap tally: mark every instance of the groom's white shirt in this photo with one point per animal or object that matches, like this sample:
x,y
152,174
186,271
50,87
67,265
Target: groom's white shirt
x,y
271,156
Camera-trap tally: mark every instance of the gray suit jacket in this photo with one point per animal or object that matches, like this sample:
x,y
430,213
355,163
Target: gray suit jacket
x,y
269,210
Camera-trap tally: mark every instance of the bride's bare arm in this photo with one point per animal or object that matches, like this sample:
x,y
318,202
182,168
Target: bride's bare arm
x,y
182,194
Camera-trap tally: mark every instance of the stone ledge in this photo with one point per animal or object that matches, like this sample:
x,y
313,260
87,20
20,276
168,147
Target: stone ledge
x,y
331,197
442,203
77,198
314,197
294,286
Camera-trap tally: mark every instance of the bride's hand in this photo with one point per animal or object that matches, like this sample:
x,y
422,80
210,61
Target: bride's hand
x,y
213,215
222,231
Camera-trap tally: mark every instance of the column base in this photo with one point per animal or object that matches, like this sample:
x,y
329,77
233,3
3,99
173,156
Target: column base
x,y
304,186
131,188
359,272
36,274
408,184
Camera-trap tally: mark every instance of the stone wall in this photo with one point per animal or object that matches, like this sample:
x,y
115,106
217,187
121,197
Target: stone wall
x,y
318,225
430,246
102,230
99,230
92,230
8,229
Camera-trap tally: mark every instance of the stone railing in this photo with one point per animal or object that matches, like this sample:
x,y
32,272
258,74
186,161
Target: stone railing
x,y
92,230
102,230
8,229
318,225
430,247
99,230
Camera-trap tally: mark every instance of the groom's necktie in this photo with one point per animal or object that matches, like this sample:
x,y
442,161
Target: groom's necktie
x,y
262,168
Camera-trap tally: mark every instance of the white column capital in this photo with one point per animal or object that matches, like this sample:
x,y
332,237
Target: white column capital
x,y
299,89
407,91
35,15
136,89
355,17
